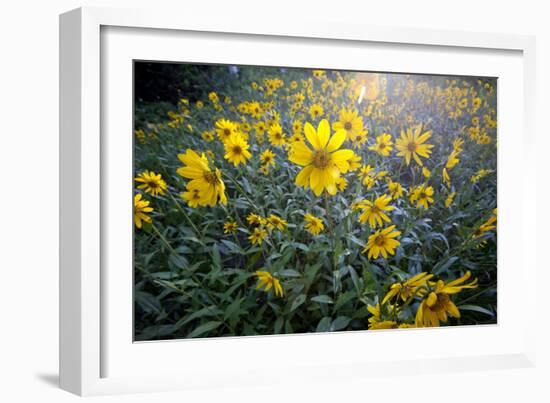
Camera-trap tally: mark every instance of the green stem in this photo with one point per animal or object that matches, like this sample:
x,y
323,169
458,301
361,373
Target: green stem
x,y
173,251
243,193
182,211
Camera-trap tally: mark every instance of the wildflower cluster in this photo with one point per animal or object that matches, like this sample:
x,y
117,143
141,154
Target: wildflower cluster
x,y
293,200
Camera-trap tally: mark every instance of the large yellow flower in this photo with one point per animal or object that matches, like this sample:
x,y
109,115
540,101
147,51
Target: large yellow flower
x,y
267,281
374,212
141,208
352,123
411,144
437,304
323,164
207,183
382,242
236,149
151,182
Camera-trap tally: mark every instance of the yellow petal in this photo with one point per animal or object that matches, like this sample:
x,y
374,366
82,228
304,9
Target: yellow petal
x,y
311,135
336,140
323,133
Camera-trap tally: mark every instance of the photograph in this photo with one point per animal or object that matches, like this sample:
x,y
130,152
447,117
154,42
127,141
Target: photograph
x,y
273,200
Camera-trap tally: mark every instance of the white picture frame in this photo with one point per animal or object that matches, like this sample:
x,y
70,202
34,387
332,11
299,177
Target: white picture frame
x,y
84,302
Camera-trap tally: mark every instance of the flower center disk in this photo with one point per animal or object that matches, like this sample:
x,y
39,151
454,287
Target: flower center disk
x,y
321,159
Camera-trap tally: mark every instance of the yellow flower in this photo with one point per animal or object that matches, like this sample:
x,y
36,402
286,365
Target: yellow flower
x,y
480,174
260,128
276,135
151,182
325,163
457,145
268,157
437,304
141,208
411,145
319,73
225,128
296,137
350,121
236,149
422,195
449,200
297,126
395,189
255,109
341,183
229,227
408,288
354,162
258,236
274,221
267,281
426,172
199,104
452,160
313,224
316,110
446,177
376,322
382,242
213,97
374,212
255,219
208,183
487,226
208,136
383,144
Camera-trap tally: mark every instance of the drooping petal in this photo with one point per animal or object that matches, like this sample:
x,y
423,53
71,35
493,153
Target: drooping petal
x,y
315,178
303,177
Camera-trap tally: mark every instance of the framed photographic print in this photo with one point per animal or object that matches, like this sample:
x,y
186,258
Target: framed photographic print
x,y
230,192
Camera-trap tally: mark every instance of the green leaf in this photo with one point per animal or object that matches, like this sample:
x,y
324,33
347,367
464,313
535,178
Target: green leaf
x,y
232,246
476,309
341,322
147,302
208,311
278,325
323,299
324,324
207,327
290,273
216,258
297,302
443,265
